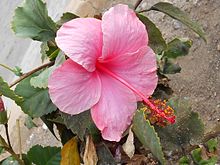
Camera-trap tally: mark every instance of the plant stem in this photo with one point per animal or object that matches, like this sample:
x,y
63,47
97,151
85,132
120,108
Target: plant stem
x,y
25,75
142,11
19,137
13,154
7,67
10,150
137,4
136,91
7,135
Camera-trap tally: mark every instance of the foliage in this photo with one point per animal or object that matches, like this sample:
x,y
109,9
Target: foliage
x,y
66,17
48,50
198,158
32,20
29,123
41,80
212,144
156,40
105,156
177,47
80,124
7,92
33,97
10,161
176,13
188,127
184,160
44,155
147,135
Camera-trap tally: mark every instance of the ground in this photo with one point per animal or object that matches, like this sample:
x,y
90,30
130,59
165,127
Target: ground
x,y
199,80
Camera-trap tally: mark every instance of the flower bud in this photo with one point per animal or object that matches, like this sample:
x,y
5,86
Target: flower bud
x,y
2,107
3,113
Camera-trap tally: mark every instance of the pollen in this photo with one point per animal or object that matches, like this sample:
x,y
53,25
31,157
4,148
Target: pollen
x,y
160,114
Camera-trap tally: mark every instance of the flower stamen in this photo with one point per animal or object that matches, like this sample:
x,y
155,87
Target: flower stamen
x,y
152,105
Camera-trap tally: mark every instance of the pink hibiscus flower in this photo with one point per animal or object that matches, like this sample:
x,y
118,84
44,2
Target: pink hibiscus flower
x,y
110,68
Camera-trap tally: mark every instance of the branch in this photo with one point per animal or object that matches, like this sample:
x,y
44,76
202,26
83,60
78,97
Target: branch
x,y
19,137
137,4
25,75
7,135
7,67
142,11
10,150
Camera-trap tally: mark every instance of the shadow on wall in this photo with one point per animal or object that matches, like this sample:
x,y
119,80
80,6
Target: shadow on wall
x,y
89,8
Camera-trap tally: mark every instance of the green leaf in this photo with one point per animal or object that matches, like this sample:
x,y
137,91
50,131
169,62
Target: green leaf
x,y
17,71
178,14
104,155
32,20
26,160
3,117
196,154
147,135
36,101
43,50
10,161
184,161
49,50
66,17
198,159
41,81
212,144
7,92
187,129
80,123
1,150
168,66
44,155
49,124
156,40
177,47
29,122
212,161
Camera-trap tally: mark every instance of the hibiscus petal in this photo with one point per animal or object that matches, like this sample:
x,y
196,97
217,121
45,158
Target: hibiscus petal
x,y
122,31
138,69
114,111
81,40
73,89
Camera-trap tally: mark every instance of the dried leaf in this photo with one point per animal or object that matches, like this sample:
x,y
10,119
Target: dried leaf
x,y
138,160
128,146
90,157
70,153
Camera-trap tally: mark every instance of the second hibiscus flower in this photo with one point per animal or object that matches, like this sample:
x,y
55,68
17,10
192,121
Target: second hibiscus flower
x,y
110,68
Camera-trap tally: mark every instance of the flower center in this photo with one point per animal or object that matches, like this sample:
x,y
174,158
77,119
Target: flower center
x,y
146,100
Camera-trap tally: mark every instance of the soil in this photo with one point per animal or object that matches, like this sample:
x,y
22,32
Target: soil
x,y
199,80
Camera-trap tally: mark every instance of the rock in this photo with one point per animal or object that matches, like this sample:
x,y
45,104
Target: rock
x,y
218,46
177,25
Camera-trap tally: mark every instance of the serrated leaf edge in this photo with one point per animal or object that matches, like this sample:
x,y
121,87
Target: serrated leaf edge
x,y
157,137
